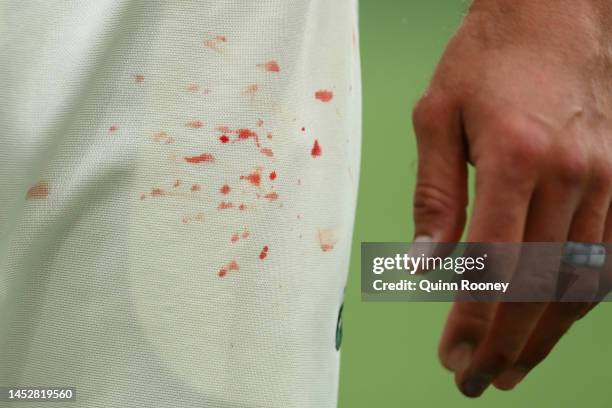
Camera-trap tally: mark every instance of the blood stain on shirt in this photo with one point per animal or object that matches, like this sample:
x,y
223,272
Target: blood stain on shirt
x,y
242,207
246,134
225,189
316,149
272,196
266,151
270,66
251,89
139,78
327,239
196,187
224,138
193,88
163,137
113,129
157,192
235,238
273,175
194,124
254,178
324,95
204,157
38,191
224,205
264,253
232,266
215,42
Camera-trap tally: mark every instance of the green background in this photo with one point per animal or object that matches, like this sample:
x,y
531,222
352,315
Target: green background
x,y
389,349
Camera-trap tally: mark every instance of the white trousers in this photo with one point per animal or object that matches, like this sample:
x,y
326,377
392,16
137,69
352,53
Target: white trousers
x,y
177,193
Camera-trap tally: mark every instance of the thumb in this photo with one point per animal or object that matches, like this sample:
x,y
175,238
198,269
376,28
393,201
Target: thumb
x,y
440,196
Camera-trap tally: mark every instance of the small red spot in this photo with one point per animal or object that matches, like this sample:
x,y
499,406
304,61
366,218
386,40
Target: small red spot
x,y
225,189
196,187
224,138
324,95
253,178
251,89
38,191
273,175
222,38
194,124
269,135
263,253
303,129
270,66
316,149
157,192
224,205
204,157
222,272
235,238
245,134
267,152
242,207
113,129
177,183
272,196
139,77
193,88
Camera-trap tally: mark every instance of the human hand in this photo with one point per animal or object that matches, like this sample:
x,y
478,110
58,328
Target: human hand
x,y
523,93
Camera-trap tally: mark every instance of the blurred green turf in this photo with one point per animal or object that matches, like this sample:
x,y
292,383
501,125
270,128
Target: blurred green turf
x,y
389,349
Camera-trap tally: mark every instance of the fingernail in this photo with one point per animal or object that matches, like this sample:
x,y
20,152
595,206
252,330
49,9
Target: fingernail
x,y
423,245
475,385
511,377
459,357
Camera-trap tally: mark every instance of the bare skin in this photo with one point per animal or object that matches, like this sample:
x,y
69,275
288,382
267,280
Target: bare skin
x,y
523,93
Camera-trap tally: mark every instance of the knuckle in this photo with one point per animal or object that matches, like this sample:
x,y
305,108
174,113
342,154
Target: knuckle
x,y
427,111
522,149
571,167
433,204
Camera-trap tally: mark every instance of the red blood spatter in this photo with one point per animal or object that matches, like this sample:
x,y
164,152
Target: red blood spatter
x,y
224,205
224,138
242,207
251,89
222,272
253,178
139,78
193,87
266,151
244,134
204,157
113,129
225,189
177,183
196,187
316,149
39,191
235,238
222,38
272,196
194,124
157,192
324,95
273,175
263,253
269,135
270,66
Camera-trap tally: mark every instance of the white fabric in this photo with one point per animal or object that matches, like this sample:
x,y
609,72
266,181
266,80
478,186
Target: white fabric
x,y
117,270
